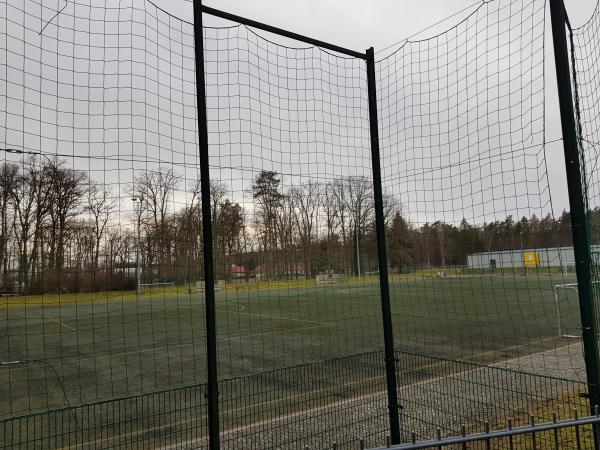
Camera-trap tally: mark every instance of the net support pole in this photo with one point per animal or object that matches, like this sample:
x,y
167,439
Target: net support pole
x,y
577,202
212,391
386,310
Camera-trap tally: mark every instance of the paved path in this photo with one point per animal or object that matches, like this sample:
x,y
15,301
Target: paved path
x,y
445,402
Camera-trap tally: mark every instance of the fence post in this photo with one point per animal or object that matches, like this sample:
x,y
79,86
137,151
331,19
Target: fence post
x,y
578,205
390,356
207,241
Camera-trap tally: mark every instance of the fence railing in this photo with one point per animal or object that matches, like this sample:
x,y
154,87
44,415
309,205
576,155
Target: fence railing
x,y
297,407
569,433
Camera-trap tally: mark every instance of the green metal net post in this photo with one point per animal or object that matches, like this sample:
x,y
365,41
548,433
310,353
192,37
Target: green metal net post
x,y
207,247
577,201
390,357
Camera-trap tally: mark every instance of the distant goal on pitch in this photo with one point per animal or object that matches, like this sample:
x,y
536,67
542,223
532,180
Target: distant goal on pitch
x,y
149,288
566,302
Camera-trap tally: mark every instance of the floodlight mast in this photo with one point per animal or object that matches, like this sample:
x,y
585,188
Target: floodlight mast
x,y
137,211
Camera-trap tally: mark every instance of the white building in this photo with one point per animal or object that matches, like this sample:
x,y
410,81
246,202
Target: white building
x,y
530,257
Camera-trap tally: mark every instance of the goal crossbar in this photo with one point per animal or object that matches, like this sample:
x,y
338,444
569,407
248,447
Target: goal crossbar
x,y
141,286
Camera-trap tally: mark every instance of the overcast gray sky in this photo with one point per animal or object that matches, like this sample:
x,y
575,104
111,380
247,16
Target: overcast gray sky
x,y
360,24
348,23
352,23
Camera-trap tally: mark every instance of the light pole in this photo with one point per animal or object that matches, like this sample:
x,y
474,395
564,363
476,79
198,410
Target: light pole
x,y
356,242
442,244
137,210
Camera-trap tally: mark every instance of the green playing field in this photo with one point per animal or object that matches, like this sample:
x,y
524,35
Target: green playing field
x,y
56,353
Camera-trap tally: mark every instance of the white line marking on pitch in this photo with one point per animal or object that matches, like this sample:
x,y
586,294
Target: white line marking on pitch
x,y
498,365
286,330
269,316
472,359
239,307
63,324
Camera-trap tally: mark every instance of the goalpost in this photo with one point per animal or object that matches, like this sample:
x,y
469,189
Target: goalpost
x,y
557,303
150,286
566,287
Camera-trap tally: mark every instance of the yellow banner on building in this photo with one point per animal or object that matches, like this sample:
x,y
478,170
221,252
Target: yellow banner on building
x,y
531,259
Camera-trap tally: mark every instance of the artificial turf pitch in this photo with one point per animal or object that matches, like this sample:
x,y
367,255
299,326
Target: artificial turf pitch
x,y
67,350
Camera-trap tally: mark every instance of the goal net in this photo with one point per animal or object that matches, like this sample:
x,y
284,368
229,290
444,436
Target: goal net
x,y
566,303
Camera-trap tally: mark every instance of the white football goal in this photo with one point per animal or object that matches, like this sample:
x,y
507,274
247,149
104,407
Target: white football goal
x,y
566,302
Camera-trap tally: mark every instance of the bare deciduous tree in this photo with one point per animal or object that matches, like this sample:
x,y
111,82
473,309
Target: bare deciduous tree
x,y
155,190
31,200
307,201
101,203
66,192
8,178
286,230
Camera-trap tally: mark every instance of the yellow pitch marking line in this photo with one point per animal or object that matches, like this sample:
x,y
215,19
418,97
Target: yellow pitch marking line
x,y
63,324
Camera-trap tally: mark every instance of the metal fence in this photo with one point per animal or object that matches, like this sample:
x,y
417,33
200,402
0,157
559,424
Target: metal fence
x,y
309,406
223,234
574,433
153,420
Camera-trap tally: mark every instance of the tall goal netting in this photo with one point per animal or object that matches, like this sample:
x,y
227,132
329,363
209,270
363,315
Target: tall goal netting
x,y
102,261
299,316
98,203
474,244
102,275
585,48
